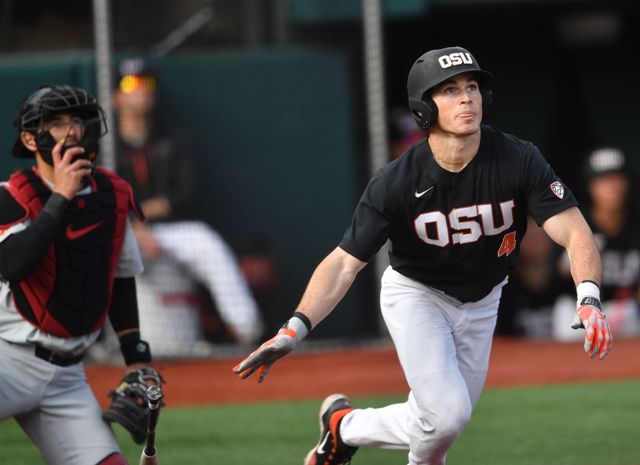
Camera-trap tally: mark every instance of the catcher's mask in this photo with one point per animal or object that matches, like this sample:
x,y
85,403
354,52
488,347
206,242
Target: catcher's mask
x,y
435,67
49,101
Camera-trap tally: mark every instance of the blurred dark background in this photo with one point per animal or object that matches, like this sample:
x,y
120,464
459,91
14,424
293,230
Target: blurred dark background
x,y
272,95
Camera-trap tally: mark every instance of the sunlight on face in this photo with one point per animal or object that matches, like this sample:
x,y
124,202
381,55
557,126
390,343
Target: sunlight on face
x,y
459,104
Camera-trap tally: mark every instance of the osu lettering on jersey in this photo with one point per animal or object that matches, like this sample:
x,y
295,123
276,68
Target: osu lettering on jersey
x,y
457,232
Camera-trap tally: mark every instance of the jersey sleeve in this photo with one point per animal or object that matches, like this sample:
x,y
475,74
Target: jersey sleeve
x,y
130,262
371,224
12,215
546,195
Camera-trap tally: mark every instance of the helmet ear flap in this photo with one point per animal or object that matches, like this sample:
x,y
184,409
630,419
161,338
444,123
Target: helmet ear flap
x,y
487,95
487,99
425,112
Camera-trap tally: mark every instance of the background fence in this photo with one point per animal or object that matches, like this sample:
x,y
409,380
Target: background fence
x,y
272,97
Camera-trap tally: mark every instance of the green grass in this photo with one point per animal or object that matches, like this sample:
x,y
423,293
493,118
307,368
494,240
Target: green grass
x,y
581,424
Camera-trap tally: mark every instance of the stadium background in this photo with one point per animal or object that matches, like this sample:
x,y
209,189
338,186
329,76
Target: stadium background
x,y
272,94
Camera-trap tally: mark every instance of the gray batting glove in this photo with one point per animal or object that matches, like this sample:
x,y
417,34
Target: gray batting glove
x,y
266,355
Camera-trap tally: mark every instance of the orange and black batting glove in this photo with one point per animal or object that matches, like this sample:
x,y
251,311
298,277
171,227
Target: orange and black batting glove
x,y
597,333
287,338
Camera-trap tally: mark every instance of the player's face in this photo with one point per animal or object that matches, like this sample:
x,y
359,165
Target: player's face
x,y
65,126
138,101
136,94
459,104
610,190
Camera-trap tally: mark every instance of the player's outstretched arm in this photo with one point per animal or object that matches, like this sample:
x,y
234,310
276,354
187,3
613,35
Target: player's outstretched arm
x,y
570,230
329,283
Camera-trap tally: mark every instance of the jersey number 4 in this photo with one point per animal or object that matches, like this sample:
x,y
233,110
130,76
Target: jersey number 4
x,y
508,244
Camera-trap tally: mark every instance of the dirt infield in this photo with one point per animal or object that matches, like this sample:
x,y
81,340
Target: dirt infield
x,y
372,371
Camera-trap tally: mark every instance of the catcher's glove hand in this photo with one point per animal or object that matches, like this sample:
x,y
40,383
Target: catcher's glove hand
x,y
129,402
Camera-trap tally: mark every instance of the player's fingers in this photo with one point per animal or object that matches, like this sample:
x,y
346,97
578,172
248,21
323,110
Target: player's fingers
x,y
606,346
262,373
245,369
71,152
589,334
245,364
55,152
598,340
248,371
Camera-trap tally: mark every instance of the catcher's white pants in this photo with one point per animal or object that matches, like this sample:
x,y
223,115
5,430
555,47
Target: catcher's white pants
x,y
55,406
443,347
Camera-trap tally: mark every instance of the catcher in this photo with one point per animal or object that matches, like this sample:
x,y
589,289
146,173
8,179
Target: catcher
x,y
68,259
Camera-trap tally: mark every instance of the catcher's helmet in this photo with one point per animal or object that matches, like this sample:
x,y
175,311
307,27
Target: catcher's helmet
x,y
50,100
435,67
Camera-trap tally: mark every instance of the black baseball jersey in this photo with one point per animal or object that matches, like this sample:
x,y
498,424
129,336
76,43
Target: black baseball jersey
x,y
457,232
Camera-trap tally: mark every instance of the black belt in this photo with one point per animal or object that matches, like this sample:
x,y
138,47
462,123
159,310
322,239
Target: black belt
x,y
63,359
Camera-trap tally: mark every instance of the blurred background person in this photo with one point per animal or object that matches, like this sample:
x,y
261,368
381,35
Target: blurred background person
x,y
403,132
181,255
611,212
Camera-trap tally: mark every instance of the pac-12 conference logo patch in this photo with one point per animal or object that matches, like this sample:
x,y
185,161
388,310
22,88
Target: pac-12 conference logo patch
x,y
558,189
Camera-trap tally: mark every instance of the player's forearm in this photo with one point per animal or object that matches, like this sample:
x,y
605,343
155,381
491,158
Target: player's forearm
x,y
21,253
330,282
570,230
584,257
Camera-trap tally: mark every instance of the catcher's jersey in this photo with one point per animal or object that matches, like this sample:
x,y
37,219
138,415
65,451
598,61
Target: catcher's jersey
x,y
457,232
14,328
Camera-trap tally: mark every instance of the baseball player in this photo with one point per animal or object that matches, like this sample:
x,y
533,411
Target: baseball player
x,y
454,207
178,251
67,261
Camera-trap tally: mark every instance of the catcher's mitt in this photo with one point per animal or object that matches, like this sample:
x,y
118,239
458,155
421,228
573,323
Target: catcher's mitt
x,y
129,403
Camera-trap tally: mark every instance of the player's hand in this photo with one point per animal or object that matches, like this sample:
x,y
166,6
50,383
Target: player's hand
x,y
597,334
69,174
262,358
150,247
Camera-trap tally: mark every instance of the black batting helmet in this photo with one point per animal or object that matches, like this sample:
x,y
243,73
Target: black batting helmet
x,y
50,100
435,67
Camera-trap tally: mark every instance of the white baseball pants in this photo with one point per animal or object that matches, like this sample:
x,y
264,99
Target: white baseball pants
x,y
54,406
443,347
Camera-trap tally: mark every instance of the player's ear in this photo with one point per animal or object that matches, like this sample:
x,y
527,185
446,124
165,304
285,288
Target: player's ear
x,y
29,141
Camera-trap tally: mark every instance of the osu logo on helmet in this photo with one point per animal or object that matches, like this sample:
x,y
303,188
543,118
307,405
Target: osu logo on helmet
x,y
453,59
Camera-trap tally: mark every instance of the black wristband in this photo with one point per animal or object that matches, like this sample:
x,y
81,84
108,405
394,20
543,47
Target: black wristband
x,y
592,282
304,319
591,301
134,349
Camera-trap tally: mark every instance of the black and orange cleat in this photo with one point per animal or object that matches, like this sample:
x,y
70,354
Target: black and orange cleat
x,y
330,450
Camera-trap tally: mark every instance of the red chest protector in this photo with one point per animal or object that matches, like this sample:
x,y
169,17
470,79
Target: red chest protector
x,y
69,294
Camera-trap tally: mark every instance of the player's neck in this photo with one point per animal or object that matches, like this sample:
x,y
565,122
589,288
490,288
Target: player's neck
x,y
43,169
451,152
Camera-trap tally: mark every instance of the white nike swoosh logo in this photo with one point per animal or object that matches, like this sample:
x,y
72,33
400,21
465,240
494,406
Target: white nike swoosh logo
x,y
420,194
320,449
